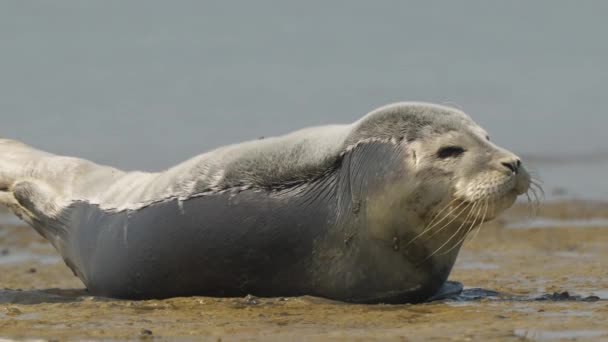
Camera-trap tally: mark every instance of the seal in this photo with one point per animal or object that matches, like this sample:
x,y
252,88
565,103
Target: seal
x,y
373,211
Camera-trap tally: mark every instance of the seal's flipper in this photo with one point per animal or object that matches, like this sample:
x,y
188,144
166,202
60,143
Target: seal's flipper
x,y
38,197
40,206
37,204
17,161
7,199
34,184
448,290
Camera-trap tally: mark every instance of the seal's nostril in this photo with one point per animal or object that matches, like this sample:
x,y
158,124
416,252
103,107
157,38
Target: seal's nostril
x,y
509,166
518,163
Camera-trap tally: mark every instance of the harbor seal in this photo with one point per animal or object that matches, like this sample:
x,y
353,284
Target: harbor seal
x,y
373,211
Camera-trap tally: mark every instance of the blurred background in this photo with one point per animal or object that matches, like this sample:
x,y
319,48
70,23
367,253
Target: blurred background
x,y
144,85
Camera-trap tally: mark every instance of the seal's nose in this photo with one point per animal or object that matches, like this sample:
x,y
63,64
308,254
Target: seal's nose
x,y
512,164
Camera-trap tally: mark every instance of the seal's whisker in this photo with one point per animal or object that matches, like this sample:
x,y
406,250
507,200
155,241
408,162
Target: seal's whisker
x,y
429,228
485,211
437,215
536,181
533,173
536,196
452,220
459,242
537,184
482,220
534,207
533,203
440,217
469,207
535,189
530,204
453,235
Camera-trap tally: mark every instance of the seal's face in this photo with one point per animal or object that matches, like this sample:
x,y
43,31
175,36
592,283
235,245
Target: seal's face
x,y
462,168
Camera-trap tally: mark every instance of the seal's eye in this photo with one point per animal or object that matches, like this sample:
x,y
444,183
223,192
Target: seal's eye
x,y
450,152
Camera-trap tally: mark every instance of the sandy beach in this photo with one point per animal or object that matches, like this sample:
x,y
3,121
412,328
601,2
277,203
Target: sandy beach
x,y
543,277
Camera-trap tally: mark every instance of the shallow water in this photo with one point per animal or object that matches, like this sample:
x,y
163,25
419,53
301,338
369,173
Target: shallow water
x,y
21,256
543,222
552,335
7,218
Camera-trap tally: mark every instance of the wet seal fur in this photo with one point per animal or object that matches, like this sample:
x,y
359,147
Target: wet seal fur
x,y
373,211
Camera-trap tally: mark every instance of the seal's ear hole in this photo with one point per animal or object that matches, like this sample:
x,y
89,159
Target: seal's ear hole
x,y
450,152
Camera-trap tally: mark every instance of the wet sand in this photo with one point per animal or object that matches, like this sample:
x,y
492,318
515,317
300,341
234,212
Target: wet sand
x,y
544,278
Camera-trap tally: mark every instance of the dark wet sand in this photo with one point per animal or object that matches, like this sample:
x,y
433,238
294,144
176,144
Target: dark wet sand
x,y
530,268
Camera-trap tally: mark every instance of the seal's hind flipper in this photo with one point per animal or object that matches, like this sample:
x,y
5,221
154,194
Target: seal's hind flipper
x,y
26,175
7,199
40,204
38,197
16,162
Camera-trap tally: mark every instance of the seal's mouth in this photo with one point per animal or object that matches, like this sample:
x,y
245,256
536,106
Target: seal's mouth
x,y
496,188
467,210
498,198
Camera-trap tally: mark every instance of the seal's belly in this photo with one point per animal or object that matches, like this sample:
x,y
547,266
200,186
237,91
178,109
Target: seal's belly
x,y
210,245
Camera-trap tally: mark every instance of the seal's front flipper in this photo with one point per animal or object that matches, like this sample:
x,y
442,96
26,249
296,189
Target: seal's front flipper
x,y
448,290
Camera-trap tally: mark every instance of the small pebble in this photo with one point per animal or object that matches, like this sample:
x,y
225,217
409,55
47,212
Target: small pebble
x,y
10,311
145,333
31,270
4,252
251,300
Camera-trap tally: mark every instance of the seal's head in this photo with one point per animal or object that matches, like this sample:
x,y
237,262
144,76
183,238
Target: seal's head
x,y
452,167
459,166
